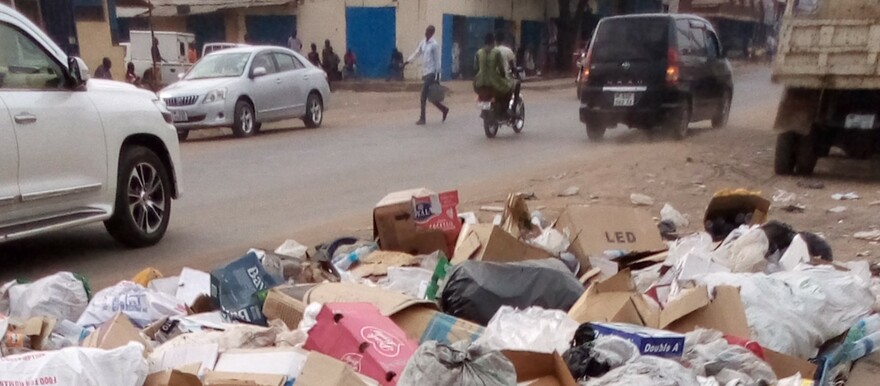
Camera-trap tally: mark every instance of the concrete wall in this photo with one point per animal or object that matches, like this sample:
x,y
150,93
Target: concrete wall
x,y
173,24
95,43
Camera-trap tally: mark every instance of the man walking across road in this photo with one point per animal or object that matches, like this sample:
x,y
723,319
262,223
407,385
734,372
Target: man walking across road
x,y
430,51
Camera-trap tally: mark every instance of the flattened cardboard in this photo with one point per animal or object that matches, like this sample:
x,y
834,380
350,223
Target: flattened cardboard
x,y
786,365
865,371
540,369
322,370
388,302
596,229
203,355
422,324
487,242
285,361
394,226
283,304
216,378
114,333
173,378
37,328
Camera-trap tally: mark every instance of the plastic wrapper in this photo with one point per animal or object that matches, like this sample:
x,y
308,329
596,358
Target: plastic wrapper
x,y
533,329
412,281
475,290
615,351
123,366
141,305
794,312
61,296
441,365
708,354
647,371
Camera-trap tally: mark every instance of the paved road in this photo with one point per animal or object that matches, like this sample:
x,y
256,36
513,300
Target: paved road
x,y
261,190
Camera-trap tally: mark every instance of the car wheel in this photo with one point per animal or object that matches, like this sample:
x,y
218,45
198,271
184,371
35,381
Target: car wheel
x,y
680,125
143,199
245,121
786,146
596,132
807,154
314,111
182,134
719,121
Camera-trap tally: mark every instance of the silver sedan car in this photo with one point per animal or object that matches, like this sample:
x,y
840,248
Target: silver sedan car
x,y
245,87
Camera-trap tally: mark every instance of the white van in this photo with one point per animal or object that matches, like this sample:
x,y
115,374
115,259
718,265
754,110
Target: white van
x,y
173,46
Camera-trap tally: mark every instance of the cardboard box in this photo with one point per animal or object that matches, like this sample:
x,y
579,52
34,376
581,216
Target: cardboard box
x,y
438,212
865,371
540,369
394,226
649,341
486,242
114,333
284,303
596,229
203,356
322,370
727,204
178,377
38,329
272,361
423,324
357,334
241,287
216,378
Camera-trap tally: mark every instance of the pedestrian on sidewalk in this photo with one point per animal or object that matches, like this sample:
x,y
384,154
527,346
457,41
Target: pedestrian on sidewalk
x,y
331,62
430,51
294,43
103,71
314,57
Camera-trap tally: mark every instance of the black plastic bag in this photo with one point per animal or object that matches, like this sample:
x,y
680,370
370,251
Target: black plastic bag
x,y
475,290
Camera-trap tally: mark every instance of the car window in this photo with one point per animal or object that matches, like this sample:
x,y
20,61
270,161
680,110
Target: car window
x,y
691,40
24,64
713,47
631,39
298,63
285,62
265,61
221,65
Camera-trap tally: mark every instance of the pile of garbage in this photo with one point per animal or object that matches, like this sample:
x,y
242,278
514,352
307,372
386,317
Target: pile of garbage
x,y
600,296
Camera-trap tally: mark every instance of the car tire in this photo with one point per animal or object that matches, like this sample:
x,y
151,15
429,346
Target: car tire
x,y
182,134
786,151
719,121
679,126
245,120
142,208
596,132
314,111
807,154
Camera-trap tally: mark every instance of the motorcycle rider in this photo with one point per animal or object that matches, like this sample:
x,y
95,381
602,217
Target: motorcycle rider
x,y
491,80
509,65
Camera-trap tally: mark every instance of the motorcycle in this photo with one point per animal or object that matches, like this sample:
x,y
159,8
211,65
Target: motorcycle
x,y
514,115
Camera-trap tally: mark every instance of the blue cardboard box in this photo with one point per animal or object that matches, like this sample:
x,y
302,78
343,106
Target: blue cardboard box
x,y
241,288
649,341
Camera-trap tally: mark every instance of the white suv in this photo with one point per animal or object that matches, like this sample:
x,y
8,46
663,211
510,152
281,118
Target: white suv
x,y
75,151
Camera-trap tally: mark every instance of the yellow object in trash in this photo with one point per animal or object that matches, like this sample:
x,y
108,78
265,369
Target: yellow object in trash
x,y
146,276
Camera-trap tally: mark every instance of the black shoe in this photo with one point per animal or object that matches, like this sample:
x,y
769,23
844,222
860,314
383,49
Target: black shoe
x,y
445,113
420,122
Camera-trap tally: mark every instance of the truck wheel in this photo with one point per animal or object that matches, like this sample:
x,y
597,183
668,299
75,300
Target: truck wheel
x,y
719,121
245,121
595,132
807,154
143,199
786,145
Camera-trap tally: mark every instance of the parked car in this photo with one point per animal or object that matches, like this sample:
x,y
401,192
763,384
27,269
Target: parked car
x,y
75,151
245,87
210,48
655,69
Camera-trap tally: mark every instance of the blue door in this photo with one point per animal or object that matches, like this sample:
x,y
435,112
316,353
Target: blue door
x,y
270,29
371,34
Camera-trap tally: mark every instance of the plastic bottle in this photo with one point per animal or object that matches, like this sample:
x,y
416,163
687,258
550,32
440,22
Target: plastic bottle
x,y
865,346
344,262
863,328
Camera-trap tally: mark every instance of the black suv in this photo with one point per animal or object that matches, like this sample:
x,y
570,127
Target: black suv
x,y
655,70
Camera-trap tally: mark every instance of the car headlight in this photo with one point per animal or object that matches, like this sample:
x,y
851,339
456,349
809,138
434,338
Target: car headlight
x,y
215,96
163,108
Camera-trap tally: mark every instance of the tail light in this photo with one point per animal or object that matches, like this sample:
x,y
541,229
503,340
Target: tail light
x,y
585,74
672,69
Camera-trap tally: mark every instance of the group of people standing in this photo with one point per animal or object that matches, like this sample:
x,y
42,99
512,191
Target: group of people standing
x,y
328,59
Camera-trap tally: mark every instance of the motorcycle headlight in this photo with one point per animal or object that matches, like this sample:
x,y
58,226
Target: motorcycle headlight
x,y
215,96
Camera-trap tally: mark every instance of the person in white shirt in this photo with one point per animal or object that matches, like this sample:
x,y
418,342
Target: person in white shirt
x,y
430,51
294,43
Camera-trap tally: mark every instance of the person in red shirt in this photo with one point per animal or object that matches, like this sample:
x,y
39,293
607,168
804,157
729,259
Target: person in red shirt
x,y
350,67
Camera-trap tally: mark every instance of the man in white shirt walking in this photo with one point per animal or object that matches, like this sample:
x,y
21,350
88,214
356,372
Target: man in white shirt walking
x,y
430,51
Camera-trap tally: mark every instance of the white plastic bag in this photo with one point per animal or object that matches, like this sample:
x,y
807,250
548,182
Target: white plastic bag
x,y
699,243
141,305
648,371
708,354
534,329
412,281
668,213
123,366
437,364
60,296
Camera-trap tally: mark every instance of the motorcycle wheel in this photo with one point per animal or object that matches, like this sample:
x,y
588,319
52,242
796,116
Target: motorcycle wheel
x,y
519,120
490,126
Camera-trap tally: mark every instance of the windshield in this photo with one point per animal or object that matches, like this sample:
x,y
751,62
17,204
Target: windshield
x,y
220,66
631,39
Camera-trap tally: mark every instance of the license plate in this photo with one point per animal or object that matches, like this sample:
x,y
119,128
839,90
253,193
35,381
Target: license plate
x,y
860,121
484,105
624,99
179,116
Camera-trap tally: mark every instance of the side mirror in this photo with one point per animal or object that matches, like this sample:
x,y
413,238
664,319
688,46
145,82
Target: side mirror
x,y
258,72
78,71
